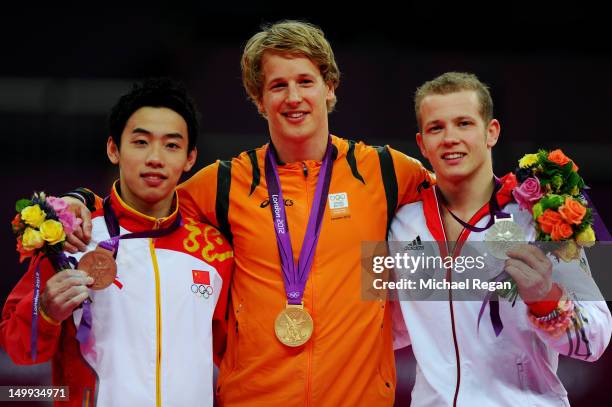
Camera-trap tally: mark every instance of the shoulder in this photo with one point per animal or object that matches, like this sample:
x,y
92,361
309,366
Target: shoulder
x,y
408,220
201,240
410,210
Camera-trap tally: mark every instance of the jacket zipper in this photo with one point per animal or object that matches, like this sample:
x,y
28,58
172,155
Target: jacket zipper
x,y
309,343
452,315
158,321
450,303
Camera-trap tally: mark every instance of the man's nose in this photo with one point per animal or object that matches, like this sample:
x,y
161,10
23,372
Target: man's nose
x,y
295,95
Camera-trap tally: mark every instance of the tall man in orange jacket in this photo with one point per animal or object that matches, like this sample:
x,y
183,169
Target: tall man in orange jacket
x,y
297,210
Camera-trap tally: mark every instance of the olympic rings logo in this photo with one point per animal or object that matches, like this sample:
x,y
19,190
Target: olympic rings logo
x,y
202,290
294,294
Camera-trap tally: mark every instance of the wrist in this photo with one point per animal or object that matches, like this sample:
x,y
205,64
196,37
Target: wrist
x,y
47,317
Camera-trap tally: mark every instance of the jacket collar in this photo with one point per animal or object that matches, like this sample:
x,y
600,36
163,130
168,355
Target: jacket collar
x,y
433,215
134,221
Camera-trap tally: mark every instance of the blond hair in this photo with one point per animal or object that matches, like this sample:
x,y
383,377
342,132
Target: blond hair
x,y
451,82
296,38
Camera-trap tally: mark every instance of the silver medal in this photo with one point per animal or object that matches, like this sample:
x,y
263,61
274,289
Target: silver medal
x,y
502,236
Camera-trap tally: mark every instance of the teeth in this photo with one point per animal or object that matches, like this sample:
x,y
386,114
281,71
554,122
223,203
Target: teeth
x,y
295,115
453,155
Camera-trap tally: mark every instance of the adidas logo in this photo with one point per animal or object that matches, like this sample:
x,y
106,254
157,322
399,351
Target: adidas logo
x,y
416,244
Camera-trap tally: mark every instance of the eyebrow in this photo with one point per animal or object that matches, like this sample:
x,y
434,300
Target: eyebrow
x,y
429,123
464,118
139,130
282,79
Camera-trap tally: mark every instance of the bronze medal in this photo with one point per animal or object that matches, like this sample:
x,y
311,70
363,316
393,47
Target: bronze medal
x,y
293,326
101,266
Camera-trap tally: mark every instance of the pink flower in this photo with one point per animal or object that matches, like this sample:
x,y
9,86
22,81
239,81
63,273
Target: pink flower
x,y
58,204
69,221
528,193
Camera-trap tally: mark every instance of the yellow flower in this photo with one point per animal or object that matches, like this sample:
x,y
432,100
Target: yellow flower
x,y
33,215
52,231
569,251
528,160
586,237
32,239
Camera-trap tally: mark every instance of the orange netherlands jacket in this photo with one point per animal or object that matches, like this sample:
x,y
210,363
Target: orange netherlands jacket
x,y
349,359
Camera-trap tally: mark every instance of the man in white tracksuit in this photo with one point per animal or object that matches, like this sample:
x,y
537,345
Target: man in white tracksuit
x,y
457,364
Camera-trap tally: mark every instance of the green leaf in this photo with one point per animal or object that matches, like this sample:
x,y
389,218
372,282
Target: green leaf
x,y
551,201
537,210
21,204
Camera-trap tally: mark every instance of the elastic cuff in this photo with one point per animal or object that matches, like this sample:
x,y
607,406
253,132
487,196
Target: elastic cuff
x,y
548,304
84,195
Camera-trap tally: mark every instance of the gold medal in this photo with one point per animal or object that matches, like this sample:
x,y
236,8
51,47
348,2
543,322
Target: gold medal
x,y
293,325
99,265
502,236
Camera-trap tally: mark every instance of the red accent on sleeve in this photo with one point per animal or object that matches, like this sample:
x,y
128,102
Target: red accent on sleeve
x,y
548,304
15,328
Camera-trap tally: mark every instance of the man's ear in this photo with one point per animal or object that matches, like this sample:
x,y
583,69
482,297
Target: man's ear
x,y
419,140
191,159
493,130
260,107
112,150
331,92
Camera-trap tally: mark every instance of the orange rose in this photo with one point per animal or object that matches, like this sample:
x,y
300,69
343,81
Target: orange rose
x,y
548,219
572,211
561,231
561,159
23,253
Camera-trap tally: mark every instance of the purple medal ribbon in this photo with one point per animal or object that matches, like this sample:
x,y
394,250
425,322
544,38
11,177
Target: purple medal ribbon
x,y
60,262
295,276
112,224
494,209
35,300
491,298
112,244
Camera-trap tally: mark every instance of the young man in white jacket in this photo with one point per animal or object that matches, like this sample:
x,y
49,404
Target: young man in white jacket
x,y
458,364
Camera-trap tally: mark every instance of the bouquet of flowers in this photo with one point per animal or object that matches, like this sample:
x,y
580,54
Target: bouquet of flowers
x,y
551,189
41,225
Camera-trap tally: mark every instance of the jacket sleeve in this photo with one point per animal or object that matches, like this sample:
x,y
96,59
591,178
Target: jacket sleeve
x,y
197,195
589,333
411,177
15,328
225,267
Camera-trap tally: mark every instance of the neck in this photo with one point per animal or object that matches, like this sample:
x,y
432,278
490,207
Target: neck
x,y
157,210
311,148
464,198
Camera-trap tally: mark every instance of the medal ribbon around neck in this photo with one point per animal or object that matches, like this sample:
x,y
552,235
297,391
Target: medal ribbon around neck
x,y
295,276
494,209
491,298
112,224
112,245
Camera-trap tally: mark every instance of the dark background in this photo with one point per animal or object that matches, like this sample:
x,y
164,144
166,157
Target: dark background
x,y
63,66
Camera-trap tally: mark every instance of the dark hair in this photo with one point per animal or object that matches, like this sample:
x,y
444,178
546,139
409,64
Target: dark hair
x,y
155,92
